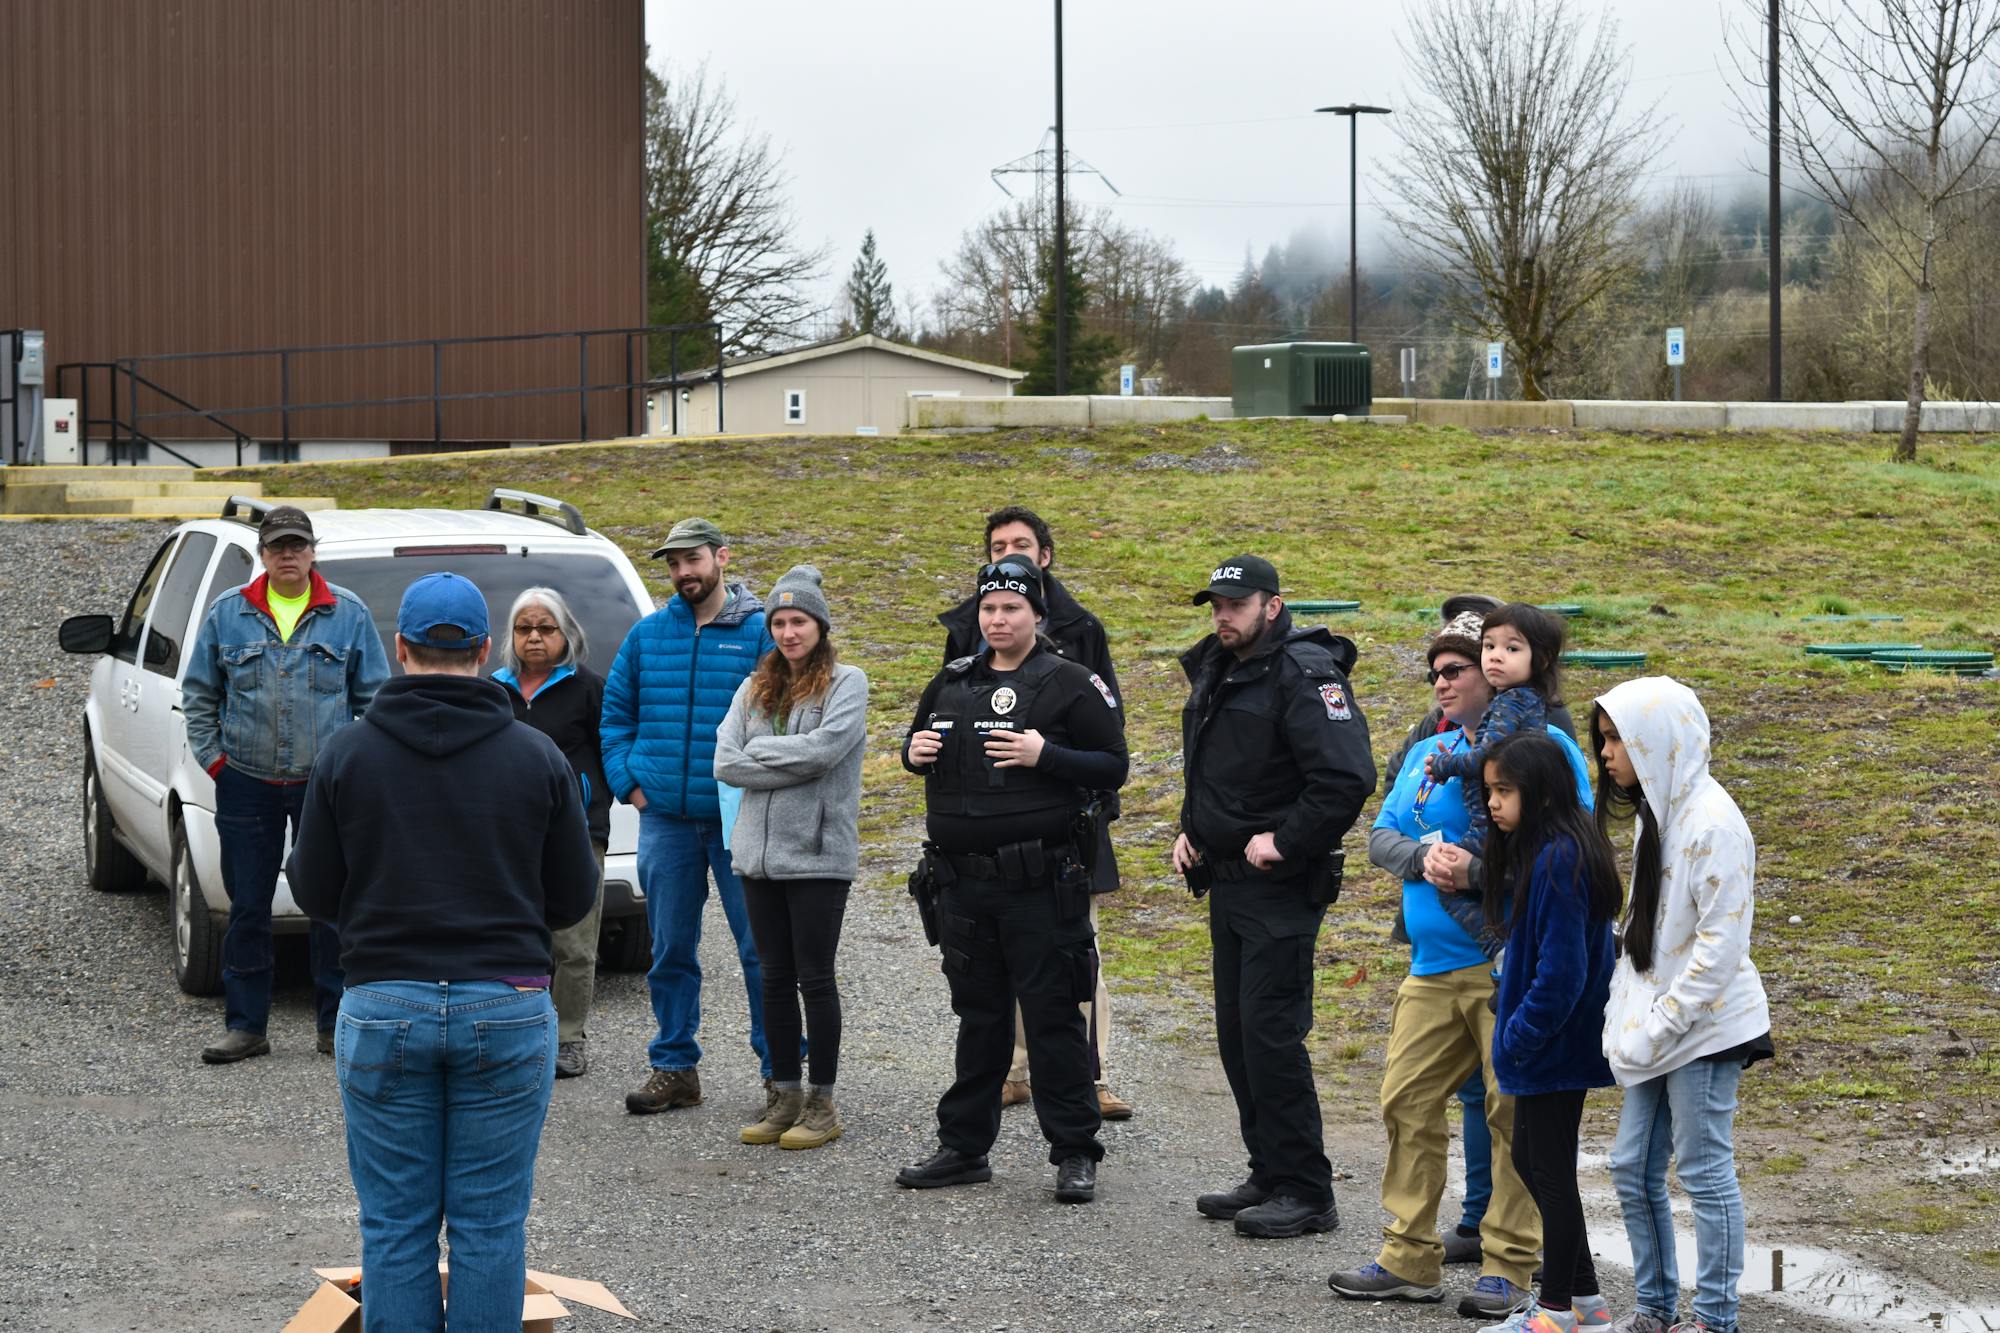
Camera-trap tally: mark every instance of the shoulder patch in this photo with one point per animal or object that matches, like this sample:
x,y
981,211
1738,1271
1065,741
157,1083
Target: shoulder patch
x,y
1335,699
1103,689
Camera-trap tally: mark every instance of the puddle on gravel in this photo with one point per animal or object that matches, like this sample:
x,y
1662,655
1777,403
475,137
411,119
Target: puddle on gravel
x,y
1978,1159
1823,1283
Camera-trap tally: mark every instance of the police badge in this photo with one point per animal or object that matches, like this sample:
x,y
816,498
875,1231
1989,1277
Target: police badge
x,y
1003,700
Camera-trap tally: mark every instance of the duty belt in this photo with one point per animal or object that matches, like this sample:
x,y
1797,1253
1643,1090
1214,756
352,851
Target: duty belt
x,y
1030,862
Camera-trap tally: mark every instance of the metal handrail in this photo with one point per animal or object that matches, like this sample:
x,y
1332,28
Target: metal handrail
x,y
120,428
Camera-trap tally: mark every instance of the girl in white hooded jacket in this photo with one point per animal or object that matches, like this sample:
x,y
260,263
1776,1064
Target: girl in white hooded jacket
x,y
1687,1012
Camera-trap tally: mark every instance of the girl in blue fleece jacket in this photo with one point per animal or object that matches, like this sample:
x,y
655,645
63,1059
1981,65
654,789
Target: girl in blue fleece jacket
x,y
1548,862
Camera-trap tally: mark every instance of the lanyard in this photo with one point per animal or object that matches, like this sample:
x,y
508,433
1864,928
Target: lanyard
x,y
1429,784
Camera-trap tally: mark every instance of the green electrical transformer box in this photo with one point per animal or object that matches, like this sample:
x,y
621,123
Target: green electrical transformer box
x,y
1300,380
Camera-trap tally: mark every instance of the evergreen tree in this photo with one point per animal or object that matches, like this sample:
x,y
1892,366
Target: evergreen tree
x,y
871,304
1086,354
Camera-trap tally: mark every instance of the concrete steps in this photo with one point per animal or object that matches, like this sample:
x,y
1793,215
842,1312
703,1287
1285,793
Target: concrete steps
x,y
133,492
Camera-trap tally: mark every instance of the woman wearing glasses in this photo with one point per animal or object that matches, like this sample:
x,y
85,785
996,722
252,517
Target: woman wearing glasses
x,y
1441,1031
551,691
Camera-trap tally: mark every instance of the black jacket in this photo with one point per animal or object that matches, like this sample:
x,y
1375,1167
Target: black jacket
x,y
1275,744
566,710
443,839
1076,634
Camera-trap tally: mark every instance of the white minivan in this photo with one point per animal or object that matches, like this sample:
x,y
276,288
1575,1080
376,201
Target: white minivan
x,y
149,810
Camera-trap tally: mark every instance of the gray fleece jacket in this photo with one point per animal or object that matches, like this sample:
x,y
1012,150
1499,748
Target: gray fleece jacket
x,y
801,806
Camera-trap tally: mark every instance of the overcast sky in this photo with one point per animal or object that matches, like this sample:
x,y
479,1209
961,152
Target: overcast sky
x,y
891,113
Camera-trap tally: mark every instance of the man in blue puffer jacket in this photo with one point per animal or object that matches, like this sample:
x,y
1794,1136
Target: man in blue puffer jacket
x,y
675,676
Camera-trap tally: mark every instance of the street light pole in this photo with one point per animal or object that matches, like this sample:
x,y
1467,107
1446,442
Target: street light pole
x,y
1354,112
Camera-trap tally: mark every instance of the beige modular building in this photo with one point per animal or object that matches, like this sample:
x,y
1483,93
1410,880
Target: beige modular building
x,y
851,386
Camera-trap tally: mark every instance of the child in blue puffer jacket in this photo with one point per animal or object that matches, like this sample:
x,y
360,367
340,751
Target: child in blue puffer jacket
x,y
1552,875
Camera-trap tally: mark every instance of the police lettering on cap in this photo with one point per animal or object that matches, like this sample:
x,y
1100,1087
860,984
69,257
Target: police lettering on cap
x,y
1013,576
1240,576
443,611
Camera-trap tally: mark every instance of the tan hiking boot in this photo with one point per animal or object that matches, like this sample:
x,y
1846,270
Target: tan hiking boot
x,y
664,1090
1015,1091
1111,1106
819,1123
781,1112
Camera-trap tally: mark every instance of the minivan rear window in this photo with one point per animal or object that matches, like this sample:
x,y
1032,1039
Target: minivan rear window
x,y
593,586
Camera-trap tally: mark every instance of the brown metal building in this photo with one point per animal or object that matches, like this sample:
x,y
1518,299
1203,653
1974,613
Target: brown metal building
x,y
214,175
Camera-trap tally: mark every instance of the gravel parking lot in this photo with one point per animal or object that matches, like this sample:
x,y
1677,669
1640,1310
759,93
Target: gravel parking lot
x,y
148,1191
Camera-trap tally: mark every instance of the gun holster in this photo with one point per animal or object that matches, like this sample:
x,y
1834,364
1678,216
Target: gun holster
x,y
1200,877
925,886
1323,879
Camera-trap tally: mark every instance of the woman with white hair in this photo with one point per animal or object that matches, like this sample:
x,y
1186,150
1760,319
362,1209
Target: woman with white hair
x,y
544,675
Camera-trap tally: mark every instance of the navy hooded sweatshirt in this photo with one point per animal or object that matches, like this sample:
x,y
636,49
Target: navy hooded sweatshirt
x,y
441,838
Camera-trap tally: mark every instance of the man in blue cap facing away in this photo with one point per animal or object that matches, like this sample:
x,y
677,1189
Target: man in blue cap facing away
x,y
446,840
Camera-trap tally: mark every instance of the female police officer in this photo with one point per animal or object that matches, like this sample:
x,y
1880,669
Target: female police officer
x,y
1011,743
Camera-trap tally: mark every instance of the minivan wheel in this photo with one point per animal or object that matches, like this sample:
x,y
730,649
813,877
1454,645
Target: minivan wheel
x,y
197,939
624,944
107,865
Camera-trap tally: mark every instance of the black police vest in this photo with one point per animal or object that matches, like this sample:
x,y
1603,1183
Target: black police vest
x,y
964,781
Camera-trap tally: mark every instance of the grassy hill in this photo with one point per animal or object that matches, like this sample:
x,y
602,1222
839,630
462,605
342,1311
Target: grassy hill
x,y
1875,798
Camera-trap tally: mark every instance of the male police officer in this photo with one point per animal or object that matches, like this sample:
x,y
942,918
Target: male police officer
x,y
1012,742
1076,634
1278,767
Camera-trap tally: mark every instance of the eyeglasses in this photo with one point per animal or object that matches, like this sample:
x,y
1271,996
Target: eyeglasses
x,y
546,631
1447,673
288,546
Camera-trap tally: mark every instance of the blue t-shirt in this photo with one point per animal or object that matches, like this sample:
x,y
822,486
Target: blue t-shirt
x,y
1438,943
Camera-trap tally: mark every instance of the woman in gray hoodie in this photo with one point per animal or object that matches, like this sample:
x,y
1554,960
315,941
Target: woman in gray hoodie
x,y
792,741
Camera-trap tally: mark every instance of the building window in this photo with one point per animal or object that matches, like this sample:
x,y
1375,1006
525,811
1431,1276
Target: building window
x,y
277,451
795,406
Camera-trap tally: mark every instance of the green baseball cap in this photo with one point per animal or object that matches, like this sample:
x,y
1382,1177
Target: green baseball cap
x,y
688,534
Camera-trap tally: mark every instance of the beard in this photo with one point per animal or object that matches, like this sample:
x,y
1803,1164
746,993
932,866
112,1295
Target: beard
x,y
696,590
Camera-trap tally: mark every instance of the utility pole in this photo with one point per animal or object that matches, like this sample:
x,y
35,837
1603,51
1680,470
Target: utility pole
x,y
1777,225
1062,224
1354,112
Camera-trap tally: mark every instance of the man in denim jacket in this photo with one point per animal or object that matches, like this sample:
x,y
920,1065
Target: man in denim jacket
x,y
280,665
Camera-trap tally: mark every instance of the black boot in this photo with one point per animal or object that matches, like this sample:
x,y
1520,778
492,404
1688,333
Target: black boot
x,y
1076,1180
1226,1204
1282,1215
945,1167
235,1045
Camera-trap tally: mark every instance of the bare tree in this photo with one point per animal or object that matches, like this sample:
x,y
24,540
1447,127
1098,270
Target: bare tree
x,y
725,244
1521,167
1893,119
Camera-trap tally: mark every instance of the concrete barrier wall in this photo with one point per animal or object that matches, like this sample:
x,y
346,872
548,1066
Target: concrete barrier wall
x,y
1644,414
1112,410
1856,418
1499,414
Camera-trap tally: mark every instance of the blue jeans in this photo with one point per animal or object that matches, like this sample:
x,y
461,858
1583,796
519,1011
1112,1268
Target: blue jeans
x,y
445,1085
1688,1115
1478,1138
675,858
250,819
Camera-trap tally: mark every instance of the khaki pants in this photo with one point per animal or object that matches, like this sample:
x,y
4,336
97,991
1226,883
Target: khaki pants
x,y
575,950
1096,1014
1439,1032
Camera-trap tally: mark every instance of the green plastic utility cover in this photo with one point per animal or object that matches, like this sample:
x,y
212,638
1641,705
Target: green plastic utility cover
x,y
1323,607
1939,668
1921,657
1828,620
1564,609
1860,650
1604,659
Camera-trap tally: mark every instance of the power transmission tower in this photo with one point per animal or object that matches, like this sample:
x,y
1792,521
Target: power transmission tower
x,y
1050,215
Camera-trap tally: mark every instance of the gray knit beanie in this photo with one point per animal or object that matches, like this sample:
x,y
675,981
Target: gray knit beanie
x,y
799,590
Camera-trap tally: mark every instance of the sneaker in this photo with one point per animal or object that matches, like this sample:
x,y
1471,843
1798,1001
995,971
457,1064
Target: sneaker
x,y
1639,1321
1015,1091
571,1062
818,1123
1691,1326
1460,1248
781,1111
235,1045
945,1167
1282,1216
1224,1205
1594,1312
1493,1297
1514,1322
663,1090
1372,1282
1550,1321
1111,1106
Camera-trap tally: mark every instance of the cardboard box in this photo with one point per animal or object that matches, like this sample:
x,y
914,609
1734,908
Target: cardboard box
x,y
333,1309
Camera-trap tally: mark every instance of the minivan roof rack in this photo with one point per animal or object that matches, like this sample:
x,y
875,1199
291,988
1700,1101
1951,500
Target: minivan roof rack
x,y
565,515
247,509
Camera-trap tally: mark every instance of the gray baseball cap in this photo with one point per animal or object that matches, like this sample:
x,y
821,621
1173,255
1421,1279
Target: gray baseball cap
x,y
688,534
